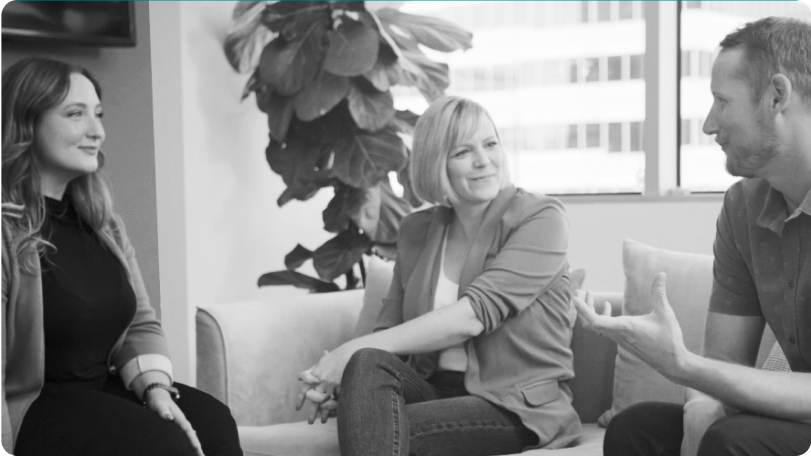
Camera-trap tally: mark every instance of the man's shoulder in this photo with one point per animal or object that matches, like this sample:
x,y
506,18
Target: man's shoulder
x,y
747,196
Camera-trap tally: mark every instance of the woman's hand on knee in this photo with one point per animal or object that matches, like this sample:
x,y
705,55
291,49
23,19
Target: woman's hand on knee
x,y
161,403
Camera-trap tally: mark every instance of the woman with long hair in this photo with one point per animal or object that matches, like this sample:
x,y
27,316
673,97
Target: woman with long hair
x,y
86,368
471,350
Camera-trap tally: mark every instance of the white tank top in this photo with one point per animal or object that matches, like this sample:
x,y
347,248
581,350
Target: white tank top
x,y
452,358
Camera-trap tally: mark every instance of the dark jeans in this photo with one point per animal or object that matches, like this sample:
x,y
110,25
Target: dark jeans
x,y
655,429
103,418
387,409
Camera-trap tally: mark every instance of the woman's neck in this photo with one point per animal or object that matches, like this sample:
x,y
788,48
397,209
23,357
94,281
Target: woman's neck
x,y
469,218
52,187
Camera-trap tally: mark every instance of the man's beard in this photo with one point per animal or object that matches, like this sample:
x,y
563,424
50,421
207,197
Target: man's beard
x,y
748,160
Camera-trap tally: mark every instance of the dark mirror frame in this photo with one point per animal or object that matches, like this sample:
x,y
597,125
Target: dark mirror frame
x,y
45,22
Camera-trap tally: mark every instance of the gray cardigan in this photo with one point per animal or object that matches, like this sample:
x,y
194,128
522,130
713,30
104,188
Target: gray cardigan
x,y
141,348
516,276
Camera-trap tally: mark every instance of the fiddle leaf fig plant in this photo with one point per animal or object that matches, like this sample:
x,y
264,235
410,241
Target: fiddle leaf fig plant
x,y
322,72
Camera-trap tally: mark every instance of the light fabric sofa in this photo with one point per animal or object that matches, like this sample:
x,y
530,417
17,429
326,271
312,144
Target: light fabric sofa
x,y
250,353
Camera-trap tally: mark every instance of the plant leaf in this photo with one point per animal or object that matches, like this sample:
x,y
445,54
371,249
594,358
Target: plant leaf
x,y
297,257
387,251
336,215
247,37
362,159
352,49
298,280
293,19
297,163
432,32
251,85
289,67
393,210
351,5
279,110
430,77
405,121
340,253
321,95
370,108
387,71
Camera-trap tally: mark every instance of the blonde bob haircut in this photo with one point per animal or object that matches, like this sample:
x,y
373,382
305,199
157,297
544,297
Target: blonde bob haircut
x,y
448,122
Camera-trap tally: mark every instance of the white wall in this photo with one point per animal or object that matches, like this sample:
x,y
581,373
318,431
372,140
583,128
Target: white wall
x,y
220,227
598,229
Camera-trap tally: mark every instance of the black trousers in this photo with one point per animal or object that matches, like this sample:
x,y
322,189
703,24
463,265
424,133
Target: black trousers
x,y
103,418
655,429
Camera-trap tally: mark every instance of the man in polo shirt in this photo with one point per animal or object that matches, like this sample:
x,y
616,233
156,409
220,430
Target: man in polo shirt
x,y
761,116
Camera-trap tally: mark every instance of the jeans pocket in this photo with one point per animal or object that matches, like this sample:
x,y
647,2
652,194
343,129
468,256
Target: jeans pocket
x,y
541,393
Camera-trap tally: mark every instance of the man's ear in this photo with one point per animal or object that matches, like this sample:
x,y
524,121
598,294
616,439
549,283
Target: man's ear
x,y
779,92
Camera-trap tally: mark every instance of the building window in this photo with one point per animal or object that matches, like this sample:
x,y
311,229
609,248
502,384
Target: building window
x,y
592,69
604,11
626,10
614,68
571,138
636,67
592,135
636,136
615,137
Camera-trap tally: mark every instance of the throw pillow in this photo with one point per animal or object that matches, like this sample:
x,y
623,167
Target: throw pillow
x,y
777,360
378,278
689,283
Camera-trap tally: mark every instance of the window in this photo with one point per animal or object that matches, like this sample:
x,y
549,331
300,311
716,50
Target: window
x,y
626,10
604,11
564,83
636,136
591,70
615,137
636,67
701,159
614,68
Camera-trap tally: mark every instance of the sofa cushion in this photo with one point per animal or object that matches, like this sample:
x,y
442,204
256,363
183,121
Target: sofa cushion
x,y
689,283
378,278
290,439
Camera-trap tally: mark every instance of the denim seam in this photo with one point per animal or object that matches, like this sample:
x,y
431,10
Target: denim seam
x,y
396,421
413,385
463,427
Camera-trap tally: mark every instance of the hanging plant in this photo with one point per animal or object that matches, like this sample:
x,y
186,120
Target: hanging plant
x,y
322,72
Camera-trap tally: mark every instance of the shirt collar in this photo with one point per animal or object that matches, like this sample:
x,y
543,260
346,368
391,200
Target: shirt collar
x,y
775,213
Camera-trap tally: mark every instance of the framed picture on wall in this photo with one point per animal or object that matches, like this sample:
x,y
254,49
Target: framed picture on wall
x,y
108,23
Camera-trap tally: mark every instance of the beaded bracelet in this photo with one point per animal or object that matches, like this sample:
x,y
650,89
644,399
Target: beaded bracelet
x,y
173,392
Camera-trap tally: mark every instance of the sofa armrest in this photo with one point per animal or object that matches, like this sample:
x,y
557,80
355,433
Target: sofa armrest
x,y
249,354
594,356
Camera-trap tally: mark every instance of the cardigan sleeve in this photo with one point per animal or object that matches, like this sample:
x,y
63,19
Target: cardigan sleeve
x,y
529,262
144,348
7,436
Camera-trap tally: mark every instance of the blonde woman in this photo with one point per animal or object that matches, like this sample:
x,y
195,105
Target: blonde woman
x,y
86,369
471,350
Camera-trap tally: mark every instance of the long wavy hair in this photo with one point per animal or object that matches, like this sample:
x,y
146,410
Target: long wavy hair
x,y
30,88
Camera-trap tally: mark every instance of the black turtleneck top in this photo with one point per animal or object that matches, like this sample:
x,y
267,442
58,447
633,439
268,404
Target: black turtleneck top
x,y
88,301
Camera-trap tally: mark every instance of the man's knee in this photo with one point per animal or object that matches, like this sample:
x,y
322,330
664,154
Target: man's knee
x,y
645,428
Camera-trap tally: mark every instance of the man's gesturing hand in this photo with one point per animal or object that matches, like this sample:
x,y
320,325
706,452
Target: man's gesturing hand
x,y
655,338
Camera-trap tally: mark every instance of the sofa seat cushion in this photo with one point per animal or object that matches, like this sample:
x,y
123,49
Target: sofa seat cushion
x,y
290,439
302,439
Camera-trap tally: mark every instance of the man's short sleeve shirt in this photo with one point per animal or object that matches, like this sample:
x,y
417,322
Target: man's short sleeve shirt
x,y
763,265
